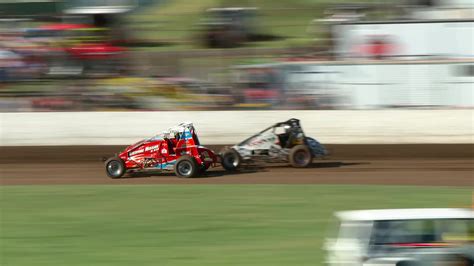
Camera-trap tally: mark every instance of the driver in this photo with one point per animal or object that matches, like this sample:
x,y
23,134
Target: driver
x,y
284,137
293,136
166,134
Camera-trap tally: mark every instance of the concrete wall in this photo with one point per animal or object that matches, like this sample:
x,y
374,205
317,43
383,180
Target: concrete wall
x,y
228,127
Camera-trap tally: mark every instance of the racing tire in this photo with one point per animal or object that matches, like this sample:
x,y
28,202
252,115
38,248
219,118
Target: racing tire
x,y
115,167
186,167
231,160
300,156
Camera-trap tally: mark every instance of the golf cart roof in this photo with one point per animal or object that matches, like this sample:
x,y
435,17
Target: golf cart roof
x,y
405,214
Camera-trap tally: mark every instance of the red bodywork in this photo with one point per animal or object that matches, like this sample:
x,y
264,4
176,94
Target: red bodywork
x,y
161,153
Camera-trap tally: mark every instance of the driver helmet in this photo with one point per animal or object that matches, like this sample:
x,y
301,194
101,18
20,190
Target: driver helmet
x,y
166,134
287,128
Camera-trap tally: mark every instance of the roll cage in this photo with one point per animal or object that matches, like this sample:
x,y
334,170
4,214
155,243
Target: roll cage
x,y
295,127
182,131
185,131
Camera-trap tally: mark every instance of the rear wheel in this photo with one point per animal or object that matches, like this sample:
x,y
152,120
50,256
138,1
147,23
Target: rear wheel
x,y
231,160
300,156
115,167
186,167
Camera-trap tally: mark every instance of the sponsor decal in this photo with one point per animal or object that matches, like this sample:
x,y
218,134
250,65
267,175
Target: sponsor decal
x,y
136,152
164,150
188,135
259,141
376,46
167,165
151,148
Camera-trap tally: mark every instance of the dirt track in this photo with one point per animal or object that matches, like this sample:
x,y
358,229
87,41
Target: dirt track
x,y
446,165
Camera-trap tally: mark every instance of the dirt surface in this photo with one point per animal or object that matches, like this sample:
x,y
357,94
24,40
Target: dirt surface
x,y
443,165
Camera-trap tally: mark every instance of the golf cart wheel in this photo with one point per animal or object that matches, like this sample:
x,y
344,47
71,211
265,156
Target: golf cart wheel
x,y
186,167
115,167
231,160
300,156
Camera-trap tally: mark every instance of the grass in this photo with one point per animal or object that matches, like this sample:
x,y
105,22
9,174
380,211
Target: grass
x,y
187,225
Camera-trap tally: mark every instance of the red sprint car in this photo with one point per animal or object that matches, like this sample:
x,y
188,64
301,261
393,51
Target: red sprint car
x,y
177,150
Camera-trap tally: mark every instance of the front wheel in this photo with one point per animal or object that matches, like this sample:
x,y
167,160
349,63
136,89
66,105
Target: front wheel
x,y
300,156
231,160
186,167
115,167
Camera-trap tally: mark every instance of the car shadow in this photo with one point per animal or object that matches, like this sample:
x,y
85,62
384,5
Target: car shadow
x,y
332,164
223,172
148,174
216,172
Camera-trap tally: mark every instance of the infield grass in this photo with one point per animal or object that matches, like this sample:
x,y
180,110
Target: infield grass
x,y
187,224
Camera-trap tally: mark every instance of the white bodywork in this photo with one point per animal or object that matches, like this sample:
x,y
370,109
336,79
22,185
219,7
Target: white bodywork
x,y
266,141
274,143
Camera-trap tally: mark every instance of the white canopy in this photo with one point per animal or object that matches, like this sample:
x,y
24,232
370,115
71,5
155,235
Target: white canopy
x,y
405,214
